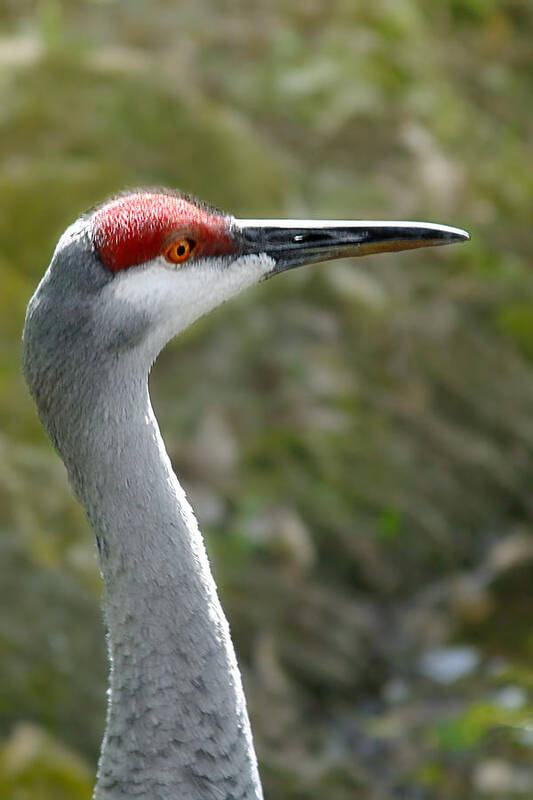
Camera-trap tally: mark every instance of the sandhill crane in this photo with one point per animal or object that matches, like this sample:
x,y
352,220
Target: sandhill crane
x,y
124,279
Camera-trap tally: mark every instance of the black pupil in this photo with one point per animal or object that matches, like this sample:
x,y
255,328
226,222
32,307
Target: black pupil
x,y
181,250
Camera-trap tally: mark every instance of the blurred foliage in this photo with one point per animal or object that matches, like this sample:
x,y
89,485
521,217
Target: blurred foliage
x,y
33,765
363,470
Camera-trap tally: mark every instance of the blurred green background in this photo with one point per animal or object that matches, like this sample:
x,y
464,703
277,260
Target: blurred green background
x,y
357,438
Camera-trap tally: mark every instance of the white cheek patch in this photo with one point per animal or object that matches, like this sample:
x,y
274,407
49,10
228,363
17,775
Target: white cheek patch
x,y
173,298
144,286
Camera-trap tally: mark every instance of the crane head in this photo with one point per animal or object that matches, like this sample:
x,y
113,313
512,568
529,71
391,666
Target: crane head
x,y
144,265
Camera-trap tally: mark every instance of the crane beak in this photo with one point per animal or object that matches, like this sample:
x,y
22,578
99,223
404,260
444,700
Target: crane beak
x,y
292,243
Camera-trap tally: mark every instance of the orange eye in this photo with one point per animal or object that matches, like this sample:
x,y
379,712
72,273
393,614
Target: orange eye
x,y
179,251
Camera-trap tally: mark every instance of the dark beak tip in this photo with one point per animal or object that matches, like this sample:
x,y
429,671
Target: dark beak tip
x,y
461,235
452,236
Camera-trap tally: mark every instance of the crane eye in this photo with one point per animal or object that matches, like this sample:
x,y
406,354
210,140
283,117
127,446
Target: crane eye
x,y
179,251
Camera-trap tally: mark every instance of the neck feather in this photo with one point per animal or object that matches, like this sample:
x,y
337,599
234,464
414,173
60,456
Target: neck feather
x,y
177,724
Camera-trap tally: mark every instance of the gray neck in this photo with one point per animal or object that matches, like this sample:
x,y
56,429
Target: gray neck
x,y
177,725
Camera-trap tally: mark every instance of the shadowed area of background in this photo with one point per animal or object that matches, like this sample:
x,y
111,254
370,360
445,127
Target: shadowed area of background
x,y
356,437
